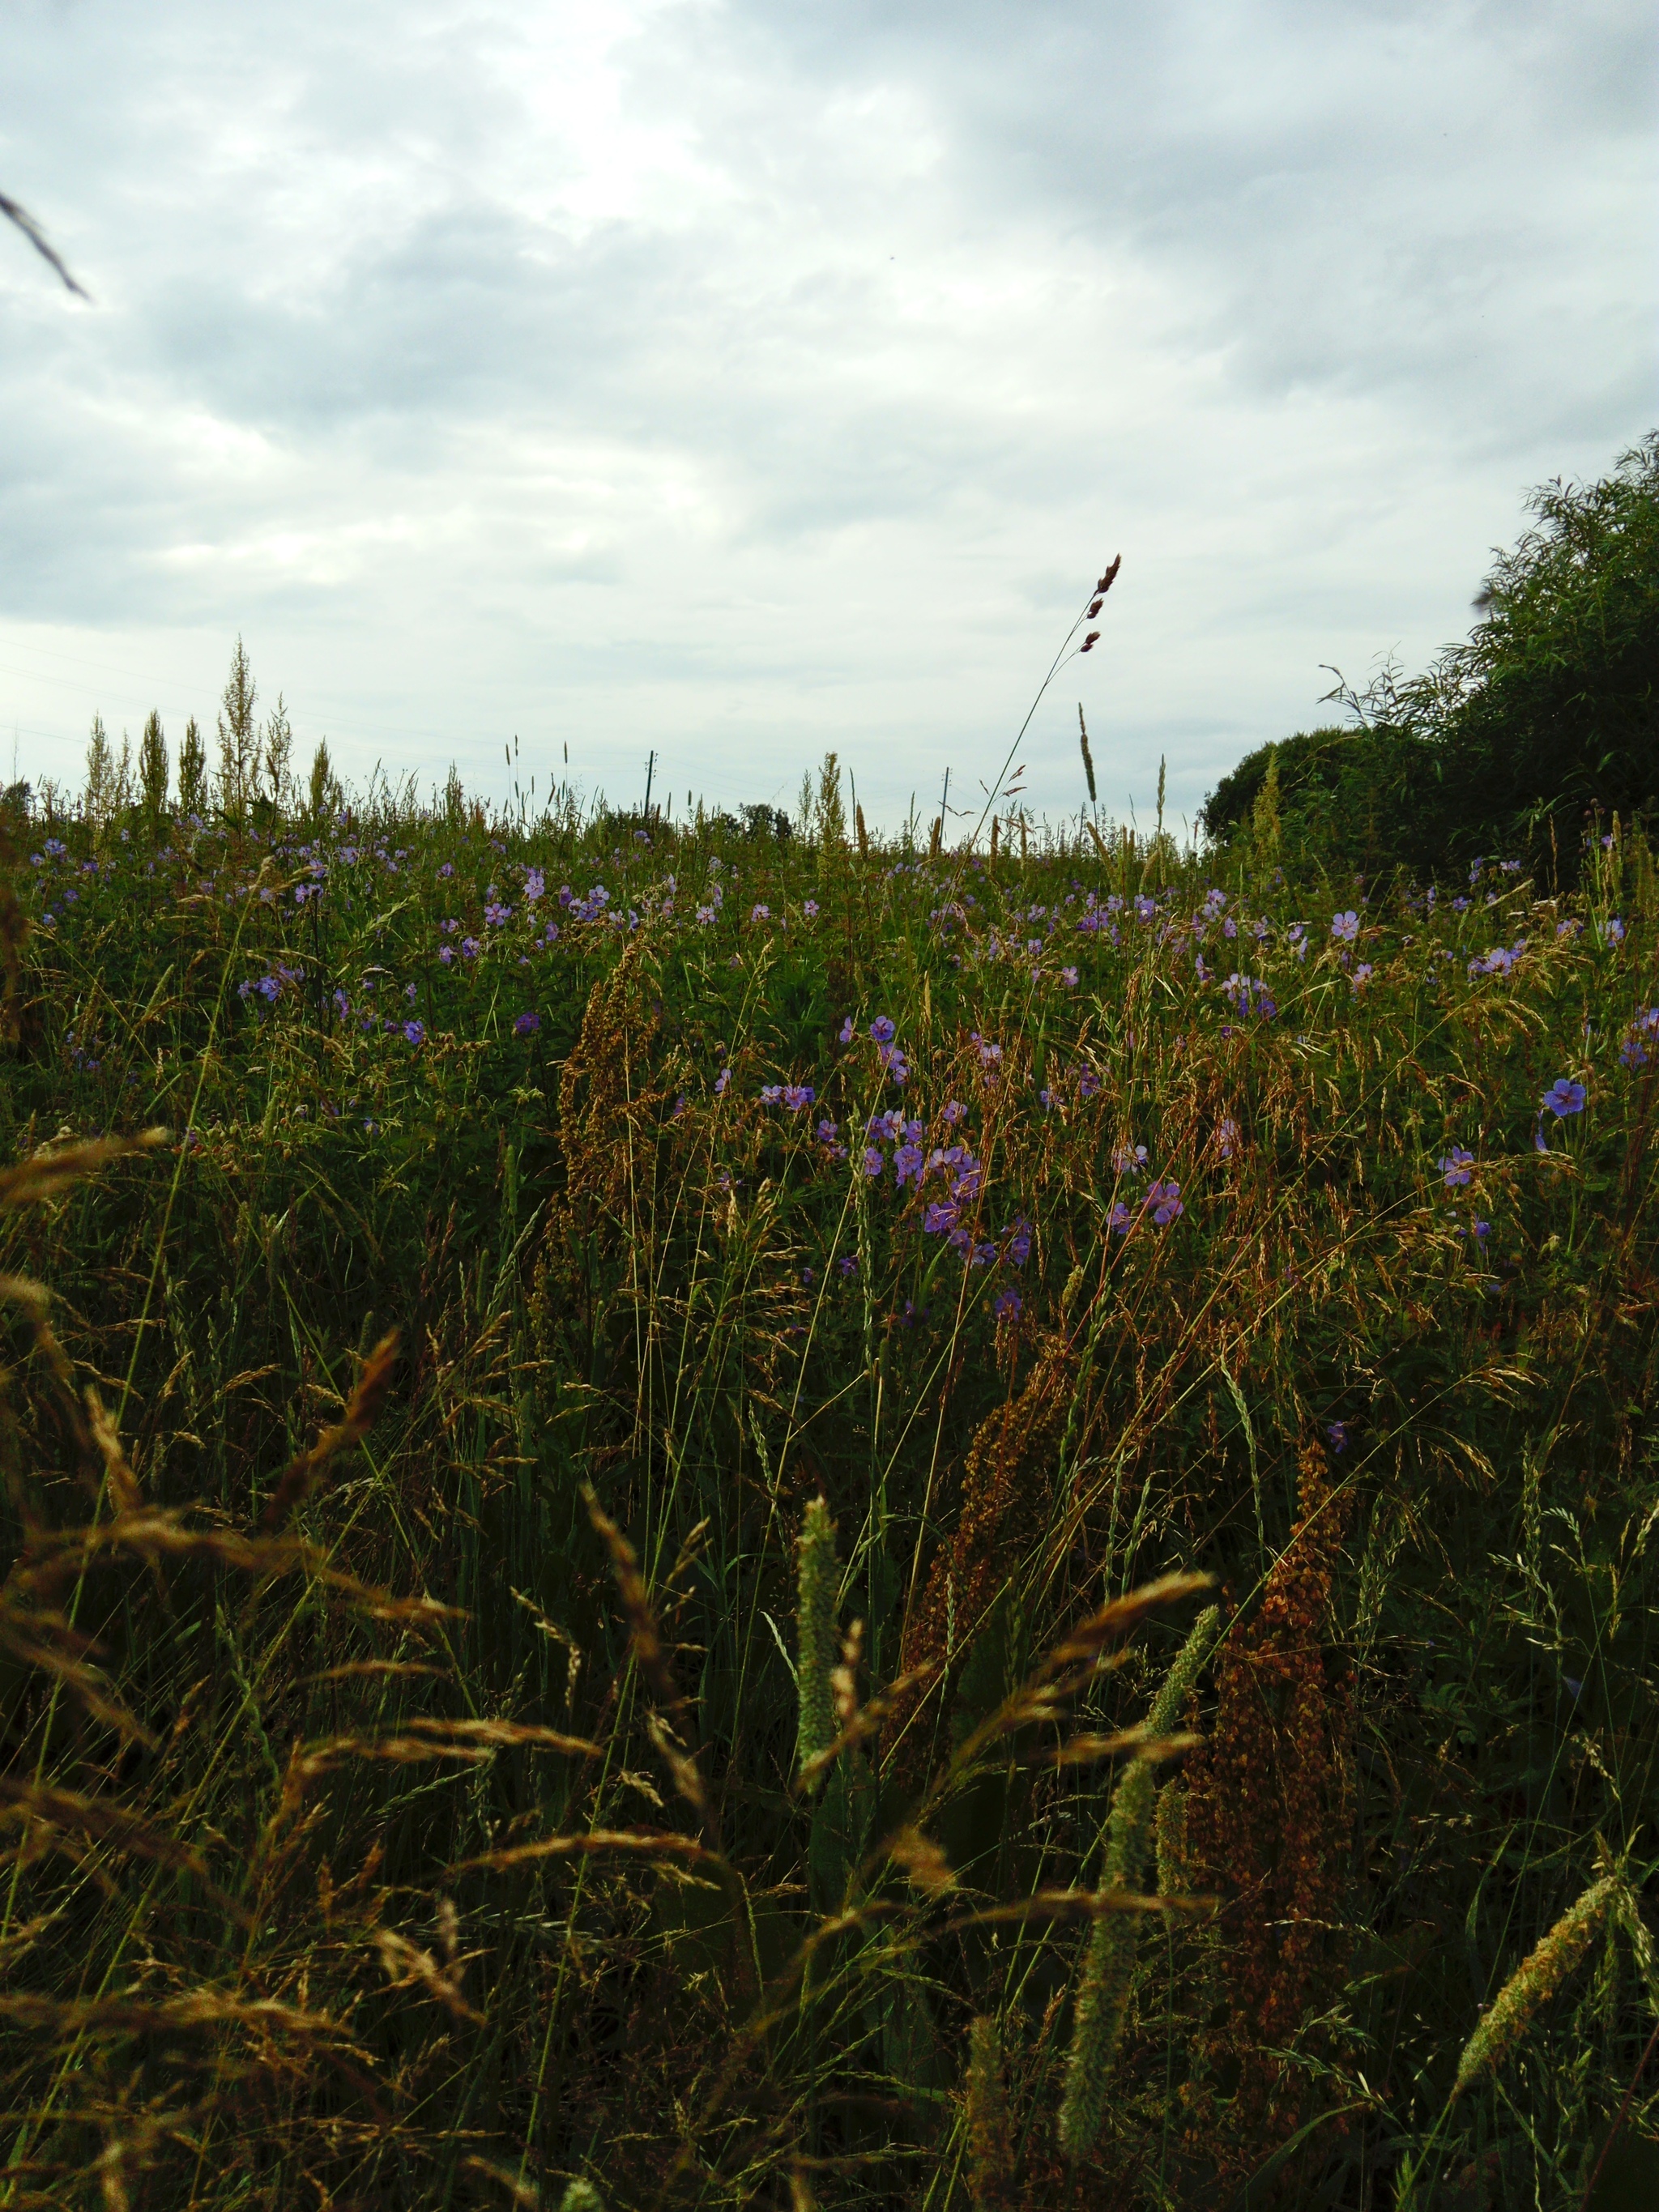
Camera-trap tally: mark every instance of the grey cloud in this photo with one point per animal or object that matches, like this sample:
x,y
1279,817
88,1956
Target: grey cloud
x,y
1286,302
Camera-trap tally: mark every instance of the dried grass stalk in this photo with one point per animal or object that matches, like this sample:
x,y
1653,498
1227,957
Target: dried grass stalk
x,y
362,1408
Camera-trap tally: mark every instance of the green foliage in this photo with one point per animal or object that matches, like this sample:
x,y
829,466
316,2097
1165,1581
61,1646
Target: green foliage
x,y
1535,733
192,772
1102,1993
1548,718
816,1616
238,738
153,766
102,785
323,791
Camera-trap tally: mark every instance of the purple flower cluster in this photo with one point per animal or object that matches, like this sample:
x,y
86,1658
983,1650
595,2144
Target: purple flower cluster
x,y
268,988
1249,994
1499,960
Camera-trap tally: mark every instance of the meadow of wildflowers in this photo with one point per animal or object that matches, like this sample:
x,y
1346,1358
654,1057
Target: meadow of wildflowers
x,y
751,1521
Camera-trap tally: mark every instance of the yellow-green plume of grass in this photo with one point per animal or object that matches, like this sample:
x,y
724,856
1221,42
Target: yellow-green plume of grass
x,y
1534,1982
816,1626
1103,1992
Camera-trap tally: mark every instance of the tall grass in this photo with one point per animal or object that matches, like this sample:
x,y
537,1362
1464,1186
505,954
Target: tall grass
x,y
466,1771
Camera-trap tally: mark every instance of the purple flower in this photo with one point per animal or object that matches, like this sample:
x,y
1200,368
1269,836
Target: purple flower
x,y
873,1162
882,1030
471,948
760,913
954,1110
848,1264
1456,1166
1345,925
415,1032
1337,1433
720,1082
1088,1082
797,1095
526,1023
844,1034
1020,1244
1068,977
1563,1098
1007,1305
1226,1138
448,869
496,915
907,1165
1128,1159
827,1131
1614,931
1165,1200
940,1217
809,908
1121,1218
771,1093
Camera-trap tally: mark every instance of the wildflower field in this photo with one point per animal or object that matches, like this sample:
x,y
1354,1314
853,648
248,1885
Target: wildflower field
x,y
703,1519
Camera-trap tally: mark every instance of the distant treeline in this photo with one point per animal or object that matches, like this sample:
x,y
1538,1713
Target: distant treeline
x,y
1520,741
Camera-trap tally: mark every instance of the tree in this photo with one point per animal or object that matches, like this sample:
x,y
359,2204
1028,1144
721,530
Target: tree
x,y
1547,715
1550,714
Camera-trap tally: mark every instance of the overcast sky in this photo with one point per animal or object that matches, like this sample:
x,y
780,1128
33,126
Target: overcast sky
x,y
741,380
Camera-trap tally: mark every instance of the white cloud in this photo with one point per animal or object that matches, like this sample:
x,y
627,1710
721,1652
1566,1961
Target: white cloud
x,y
736,381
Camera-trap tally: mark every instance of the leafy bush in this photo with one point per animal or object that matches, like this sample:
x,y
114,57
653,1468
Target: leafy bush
x,y
1522,741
